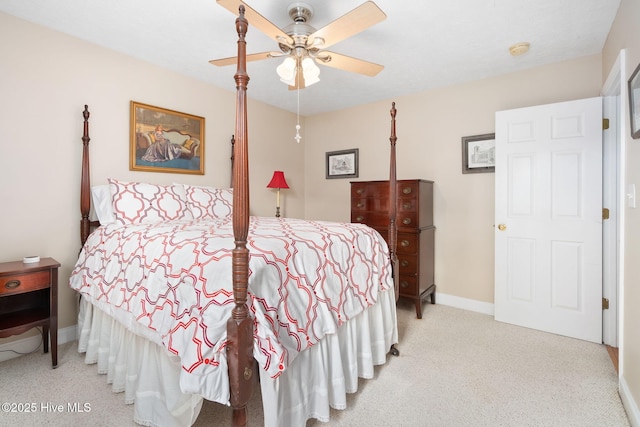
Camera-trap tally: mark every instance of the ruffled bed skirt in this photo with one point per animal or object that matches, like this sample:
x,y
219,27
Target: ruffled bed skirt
x,y
317,380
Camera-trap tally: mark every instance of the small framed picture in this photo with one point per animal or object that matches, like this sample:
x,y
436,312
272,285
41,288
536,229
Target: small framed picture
x,y
634,103
342,164
164,140
479,153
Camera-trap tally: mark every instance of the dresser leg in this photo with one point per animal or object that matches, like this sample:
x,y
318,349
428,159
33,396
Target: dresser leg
x,y
45,338
419,308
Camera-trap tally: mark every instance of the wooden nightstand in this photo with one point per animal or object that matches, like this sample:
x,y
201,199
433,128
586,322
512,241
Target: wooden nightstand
x,y
29,298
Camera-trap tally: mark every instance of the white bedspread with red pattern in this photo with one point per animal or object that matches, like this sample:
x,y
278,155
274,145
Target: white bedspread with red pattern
x,y
171,282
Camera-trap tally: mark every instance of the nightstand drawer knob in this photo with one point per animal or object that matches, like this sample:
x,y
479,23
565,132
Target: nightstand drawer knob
x,y
404,263
404,284
406,190
360,205
360,218
406,221
12,284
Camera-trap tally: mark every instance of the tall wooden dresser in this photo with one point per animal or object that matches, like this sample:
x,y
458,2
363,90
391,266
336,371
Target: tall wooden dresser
x,y
416,232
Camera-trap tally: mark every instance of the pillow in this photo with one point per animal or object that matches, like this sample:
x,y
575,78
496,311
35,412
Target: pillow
x,y
209,202
136,202
101,197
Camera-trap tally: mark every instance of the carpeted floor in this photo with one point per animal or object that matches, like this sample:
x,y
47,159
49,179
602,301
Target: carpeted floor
x,y
456,368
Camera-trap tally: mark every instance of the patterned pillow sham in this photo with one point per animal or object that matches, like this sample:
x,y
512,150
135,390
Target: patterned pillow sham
x,y
209,202
137,202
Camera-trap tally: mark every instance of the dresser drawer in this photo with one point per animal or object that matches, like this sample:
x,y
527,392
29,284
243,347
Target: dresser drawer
x,y
407,243
408,286
407,220
25,282
372,219
370,204
408,263
406,189
370,190
407,205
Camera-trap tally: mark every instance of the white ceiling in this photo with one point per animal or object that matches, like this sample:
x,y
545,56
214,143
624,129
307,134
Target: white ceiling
x,y
423,44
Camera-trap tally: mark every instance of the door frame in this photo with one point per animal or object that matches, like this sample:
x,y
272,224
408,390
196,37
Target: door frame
x,y
614,198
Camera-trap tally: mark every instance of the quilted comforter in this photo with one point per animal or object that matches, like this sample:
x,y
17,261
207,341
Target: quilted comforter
x,y
171,282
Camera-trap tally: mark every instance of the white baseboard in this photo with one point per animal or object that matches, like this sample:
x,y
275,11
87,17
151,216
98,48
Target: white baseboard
x,y
465,303
630,406
33,343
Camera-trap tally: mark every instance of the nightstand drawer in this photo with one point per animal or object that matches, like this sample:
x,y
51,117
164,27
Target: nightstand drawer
x,y
26,282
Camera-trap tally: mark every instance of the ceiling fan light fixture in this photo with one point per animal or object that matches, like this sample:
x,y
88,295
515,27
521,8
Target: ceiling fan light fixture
x,y
310,71
287,71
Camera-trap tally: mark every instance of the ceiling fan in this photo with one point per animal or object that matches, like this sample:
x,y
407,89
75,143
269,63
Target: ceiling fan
x,y
303,46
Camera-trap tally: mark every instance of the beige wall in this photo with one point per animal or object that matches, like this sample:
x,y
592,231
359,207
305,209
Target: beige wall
x,y
624,35
429,129
46,78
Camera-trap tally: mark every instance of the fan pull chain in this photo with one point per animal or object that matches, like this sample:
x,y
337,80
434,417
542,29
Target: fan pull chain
x,y
298,137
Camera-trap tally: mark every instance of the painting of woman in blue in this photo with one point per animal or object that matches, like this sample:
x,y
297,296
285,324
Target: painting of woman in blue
x,y
162,149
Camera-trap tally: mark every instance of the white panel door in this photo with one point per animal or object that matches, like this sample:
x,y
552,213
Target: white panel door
x,y
548,237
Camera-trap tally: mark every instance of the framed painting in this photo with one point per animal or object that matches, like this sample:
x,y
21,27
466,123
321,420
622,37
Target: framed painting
x,y
479,153
342,164
634,103
164,140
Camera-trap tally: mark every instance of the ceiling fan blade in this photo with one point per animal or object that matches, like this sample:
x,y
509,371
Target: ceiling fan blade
x,y
255,19
253,57
347,63
359,19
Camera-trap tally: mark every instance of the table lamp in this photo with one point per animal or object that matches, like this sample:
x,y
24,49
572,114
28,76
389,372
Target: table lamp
x,y
278,182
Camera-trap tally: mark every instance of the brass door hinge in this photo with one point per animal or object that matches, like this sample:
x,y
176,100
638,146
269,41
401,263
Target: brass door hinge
x,y
605,303
605,124
605,213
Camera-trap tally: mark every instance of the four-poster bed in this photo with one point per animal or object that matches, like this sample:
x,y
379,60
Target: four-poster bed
x,y
308,314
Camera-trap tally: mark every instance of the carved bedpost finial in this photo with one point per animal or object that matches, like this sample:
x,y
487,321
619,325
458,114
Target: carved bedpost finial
x,y
85,184
393,235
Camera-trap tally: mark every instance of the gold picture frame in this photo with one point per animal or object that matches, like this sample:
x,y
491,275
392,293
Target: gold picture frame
x,y
164,140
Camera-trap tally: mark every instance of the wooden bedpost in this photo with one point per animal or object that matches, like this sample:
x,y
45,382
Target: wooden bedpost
x,y
240,325
233,147
85,185
393,235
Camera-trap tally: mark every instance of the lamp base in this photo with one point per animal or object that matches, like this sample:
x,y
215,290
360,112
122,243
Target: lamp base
x,y
277,211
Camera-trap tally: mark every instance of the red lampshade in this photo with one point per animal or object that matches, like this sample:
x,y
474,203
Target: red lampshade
x,y
278,181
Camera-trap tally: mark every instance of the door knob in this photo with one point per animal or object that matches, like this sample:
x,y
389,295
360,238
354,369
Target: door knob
x,y
502,227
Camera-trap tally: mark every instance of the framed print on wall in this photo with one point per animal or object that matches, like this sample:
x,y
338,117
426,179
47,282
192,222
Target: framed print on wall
x,y
164,140
342,164
634,103
479,153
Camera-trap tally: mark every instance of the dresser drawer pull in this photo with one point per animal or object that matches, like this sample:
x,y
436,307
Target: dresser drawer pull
x,y
406,190
12,284
404,284
360,191
404,243
404,263
360,205
360,218
406,205
406,221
